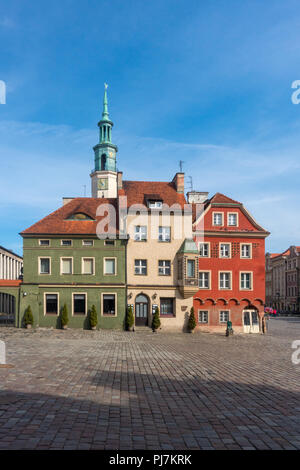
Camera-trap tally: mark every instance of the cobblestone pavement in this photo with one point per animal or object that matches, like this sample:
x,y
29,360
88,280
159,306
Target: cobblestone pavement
x,y
118,390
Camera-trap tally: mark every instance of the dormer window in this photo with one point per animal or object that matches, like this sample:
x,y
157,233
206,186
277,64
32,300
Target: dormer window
x,y
79,216
155,204
218,218
232,219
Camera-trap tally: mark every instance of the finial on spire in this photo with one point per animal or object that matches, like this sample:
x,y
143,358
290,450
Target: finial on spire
x,y
105,115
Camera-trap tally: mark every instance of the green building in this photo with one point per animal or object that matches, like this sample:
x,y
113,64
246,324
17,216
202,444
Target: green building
x,y
69,261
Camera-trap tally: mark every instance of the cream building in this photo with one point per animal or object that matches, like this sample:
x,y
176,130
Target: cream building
x,y
10,264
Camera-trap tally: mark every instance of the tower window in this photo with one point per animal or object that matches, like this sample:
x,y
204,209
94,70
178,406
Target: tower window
x,y
103,162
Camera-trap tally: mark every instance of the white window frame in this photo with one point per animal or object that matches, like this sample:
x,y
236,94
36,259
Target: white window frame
x,y
139,233
39,265
61,261
77,314
116,304
109,243
51,314
220,250
82,263
224,321
104,265
90,243
66,240
213,219
207,317
208,249
251,280
155,204
230,277
163,235
141,274
164,267
241,250
237,219
209,279
44,240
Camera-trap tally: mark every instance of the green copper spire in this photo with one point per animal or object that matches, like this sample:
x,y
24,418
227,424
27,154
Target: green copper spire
x,y
105,115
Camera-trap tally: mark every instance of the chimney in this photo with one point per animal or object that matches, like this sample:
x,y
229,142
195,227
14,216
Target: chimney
x,y
178,181
196,197
66,200
120,182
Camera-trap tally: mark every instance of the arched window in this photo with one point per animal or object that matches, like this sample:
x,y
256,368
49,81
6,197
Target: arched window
x,y
103,162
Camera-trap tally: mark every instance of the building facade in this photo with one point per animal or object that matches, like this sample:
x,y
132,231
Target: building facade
x,y
231,267
11,264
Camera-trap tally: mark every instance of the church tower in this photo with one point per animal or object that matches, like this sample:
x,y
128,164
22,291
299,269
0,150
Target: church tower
x,y
104,175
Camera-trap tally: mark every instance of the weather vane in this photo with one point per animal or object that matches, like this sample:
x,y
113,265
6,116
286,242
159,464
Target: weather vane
x,y
105,86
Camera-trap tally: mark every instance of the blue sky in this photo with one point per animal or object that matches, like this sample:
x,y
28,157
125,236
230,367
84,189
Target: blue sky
x,y
207,82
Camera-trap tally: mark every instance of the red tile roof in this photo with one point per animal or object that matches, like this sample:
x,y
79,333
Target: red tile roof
x,y
137,190
56,223
219,198
10,283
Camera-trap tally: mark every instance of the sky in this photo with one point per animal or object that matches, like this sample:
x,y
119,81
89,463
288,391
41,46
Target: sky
x,y
208,82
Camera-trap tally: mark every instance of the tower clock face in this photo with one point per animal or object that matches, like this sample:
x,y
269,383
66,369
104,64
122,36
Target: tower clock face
x,y
111,154
102,183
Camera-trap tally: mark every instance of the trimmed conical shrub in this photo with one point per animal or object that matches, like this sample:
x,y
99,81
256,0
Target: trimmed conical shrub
x,y
156,320
28,317
129,318
93,317
64,318
192,320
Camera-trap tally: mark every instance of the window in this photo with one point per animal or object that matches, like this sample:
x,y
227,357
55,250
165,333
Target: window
x,y
44,265
109,304
87,265
66,266
66,242
246,251
218,218
164,268
224,316
164,234
204,280
202,316
79,304
204,250
154,204
110,266
246,280
190,268
232,219
166,306
109,242
140,233
140,267
224,250
225,280
51,304
88,242
44,242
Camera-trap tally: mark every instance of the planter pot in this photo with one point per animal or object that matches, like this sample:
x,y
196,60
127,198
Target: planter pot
x,y
130,328
65,327
93,327
28,326
191,331
155,331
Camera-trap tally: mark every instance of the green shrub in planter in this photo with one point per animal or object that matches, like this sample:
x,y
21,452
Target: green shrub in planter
x,y
93,317
156,320
64,318
192,320
28,317
129,319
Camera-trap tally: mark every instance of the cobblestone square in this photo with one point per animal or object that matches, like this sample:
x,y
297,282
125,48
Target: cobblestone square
x,y
78,389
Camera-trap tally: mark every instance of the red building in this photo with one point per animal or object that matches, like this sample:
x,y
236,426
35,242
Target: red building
x,y
231,266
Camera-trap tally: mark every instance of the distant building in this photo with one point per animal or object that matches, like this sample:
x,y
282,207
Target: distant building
x,y
283,280
11,264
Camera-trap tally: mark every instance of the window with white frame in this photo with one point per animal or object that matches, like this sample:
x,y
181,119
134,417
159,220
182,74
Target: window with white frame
x,y
164,267
204,250
246,281
140,267
140,233
246,250
44,266
225,280
218,218
224,250
87,265
44,242
109,304
224,316
190,268
79,304
88,242
204,280
232,219
110,266
66,242
66,266
109,242
155,204
164,234
202,316
166,306
51,304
